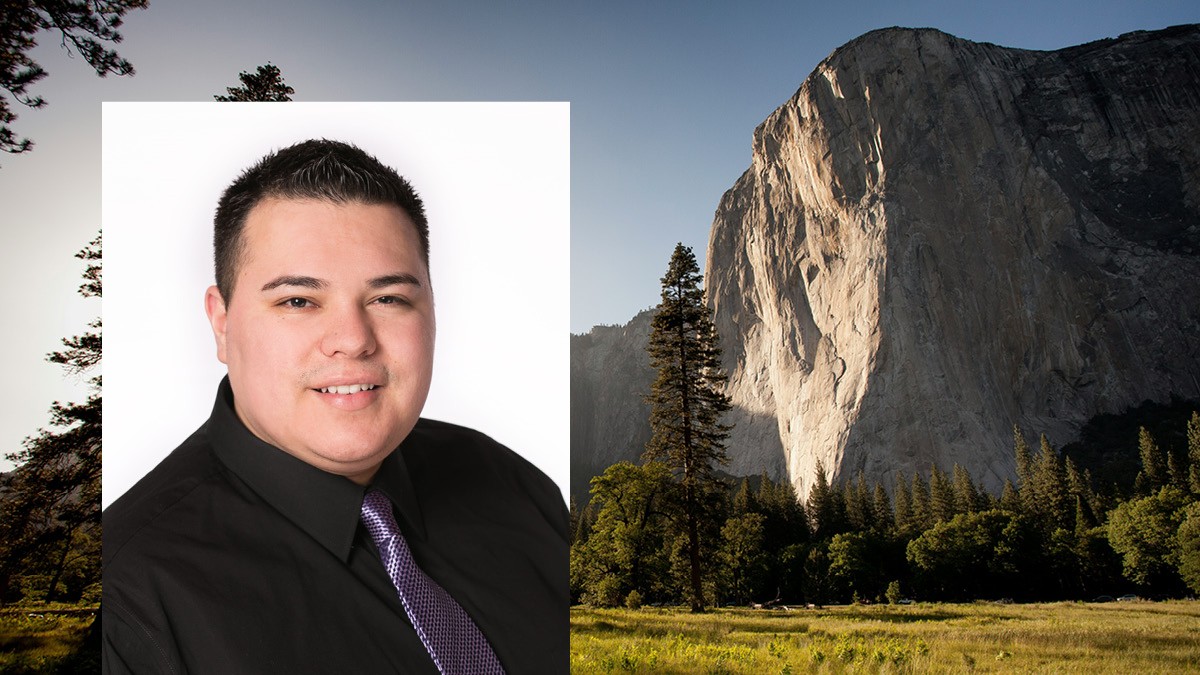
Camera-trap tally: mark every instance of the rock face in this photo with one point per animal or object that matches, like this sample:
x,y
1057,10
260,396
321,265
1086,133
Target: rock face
x,y
610,421
937,239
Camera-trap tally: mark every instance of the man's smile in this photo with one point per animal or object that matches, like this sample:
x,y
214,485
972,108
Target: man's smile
x,y
346,389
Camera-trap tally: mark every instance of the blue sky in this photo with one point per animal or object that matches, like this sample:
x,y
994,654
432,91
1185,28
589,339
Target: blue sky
x,y
664,98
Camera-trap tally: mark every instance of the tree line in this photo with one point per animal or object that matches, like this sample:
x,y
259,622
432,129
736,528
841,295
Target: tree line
x,y
671,530
935,536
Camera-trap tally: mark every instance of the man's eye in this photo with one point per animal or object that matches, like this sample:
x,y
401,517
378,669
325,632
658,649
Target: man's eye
x,y
390,300
296,303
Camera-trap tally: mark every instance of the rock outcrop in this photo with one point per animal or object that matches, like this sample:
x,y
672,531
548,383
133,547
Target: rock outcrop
x,y
937,239
610,377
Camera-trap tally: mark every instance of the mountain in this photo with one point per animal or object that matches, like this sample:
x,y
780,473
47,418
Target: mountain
x,y
610,377
938,239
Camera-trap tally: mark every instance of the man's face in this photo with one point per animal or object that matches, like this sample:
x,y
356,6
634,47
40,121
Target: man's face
x,y
329,334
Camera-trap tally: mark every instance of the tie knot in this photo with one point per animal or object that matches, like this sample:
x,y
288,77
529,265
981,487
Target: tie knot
x,y
377,516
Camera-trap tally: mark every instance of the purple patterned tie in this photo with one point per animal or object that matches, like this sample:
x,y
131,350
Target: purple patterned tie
x,y
451,638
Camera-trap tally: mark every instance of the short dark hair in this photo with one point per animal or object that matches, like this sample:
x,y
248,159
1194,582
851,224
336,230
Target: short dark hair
x,y
317,169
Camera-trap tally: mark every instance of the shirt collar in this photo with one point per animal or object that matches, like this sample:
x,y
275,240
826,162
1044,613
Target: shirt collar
x,y
324,505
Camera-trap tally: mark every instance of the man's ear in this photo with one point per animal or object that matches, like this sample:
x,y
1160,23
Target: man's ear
x,y
214,306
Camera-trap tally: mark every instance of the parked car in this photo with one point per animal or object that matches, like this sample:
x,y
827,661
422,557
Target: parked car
x,y
1128,597
1102,598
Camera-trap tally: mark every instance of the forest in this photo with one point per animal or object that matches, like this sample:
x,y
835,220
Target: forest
x,y
1053,535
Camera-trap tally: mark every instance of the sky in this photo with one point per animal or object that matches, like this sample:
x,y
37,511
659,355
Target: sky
x,y
664,98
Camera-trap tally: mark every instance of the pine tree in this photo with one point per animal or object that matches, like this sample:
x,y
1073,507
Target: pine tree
x,y
1083,519
686,399
1024,461
1193,443
744,501
822,506
941,496
1053,503
1154,465
966,495
265,84
787,522
766,490
1079,486
922,516
82,26
54,493
882,509
1177,470
1009,499
903,516
857,503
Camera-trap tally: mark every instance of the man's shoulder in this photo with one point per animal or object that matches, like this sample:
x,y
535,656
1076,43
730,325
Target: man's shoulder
x,y
156,497
434,444
476,467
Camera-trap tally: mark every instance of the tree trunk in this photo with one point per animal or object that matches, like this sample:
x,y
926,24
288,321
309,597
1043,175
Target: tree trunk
x,y
58,569
694,550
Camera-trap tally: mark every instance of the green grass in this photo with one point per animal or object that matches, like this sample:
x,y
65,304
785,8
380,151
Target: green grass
x,y
46,638
1138,637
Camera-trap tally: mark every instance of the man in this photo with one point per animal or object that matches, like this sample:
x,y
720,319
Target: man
x,y
314,524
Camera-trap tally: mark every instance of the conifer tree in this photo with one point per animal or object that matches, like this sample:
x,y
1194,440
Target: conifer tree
x,y
1079,486
787,523
966,495
1009,499
881,509
1024,461
766,490
1193,444
903,517
1076,485
857,503
265,84
54,493
1154,465
941,496
83,27
687,401
1083,519
822,507
745,501
1050,487
1177,472
922,517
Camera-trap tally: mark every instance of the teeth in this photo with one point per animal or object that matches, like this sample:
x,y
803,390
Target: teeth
x,y
347,389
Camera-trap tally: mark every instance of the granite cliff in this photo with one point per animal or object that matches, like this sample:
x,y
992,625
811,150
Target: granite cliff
x,y
610,376
937,239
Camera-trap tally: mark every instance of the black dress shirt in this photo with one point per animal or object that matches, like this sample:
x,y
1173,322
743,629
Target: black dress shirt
x,y
232,556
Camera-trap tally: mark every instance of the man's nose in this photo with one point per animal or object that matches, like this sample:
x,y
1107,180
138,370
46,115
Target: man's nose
x,y
349,332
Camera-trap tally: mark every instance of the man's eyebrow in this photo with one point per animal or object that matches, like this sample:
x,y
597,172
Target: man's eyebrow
x,y
289,280
399,279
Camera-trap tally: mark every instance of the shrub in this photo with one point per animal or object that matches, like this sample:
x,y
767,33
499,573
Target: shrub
x,y
633,600
606,593
893,592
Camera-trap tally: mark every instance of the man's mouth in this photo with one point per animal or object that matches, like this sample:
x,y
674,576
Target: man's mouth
x,y
346,389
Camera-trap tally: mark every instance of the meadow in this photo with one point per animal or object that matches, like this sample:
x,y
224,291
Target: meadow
x,y
1115,637
47,638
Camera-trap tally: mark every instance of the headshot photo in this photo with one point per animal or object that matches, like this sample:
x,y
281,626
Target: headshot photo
x,y
336,387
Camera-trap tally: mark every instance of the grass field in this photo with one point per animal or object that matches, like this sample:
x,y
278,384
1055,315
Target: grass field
x,y
45,639
1126,637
